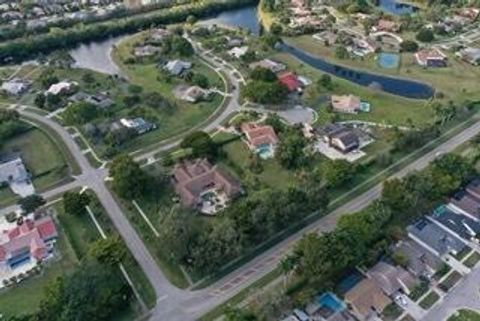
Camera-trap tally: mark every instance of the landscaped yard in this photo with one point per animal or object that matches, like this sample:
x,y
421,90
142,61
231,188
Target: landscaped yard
x,y
472,260
41,156
429,300
465,315
457,81
450,281
76,233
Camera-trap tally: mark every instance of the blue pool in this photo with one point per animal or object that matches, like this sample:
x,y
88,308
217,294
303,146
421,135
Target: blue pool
x,y
265,151
331,302
396,8
388,60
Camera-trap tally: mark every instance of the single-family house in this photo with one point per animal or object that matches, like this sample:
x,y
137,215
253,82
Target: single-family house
x,y
159,35
290,81
194,94
238,52
260,138
14,174
340,137
234,42
434,238
204,186
386,25
470,55
469,13
465,203
145,51
16,86
269,64
460,225
420,261
431,57
392,279
366,299
30,240
100,100
177,67
140,125
61,88
349,104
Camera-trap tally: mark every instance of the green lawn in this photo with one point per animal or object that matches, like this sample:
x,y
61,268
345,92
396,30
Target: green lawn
x,y
76,233
42,157
386,108
450,281
472,260
465,315
152,79
458,81
429,300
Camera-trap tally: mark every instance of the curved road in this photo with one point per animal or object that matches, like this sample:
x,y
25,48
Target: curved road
x,y
174,304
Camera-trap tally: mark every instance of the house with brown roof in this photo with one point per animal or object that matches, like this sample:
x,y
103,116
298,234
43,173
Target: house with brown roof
x,y
386,25
366,299
392,279
261,139
465,203
203,186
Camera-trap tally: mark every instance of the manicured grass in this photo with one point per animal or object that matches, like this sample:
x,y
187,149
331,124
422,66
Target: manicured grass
x,y
450,281
386,108
444,270
472,260
429,300
392,312
149,76
457,81
419,291
463,253
465,315
273,175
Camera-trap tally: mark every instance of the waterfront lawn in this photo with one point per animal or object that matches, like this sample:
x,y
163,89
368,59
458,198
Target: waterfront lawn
x,y
458,81
465,315
41,156
386,108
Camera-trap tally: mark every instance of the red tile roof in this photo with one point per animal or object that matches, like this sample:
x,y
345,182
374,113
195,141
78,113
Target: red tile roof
x,y
259,135
289,80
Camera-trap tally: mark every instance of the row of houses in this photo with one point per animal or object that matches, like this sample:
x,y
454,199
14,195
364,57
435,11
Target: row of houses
x,y
433,241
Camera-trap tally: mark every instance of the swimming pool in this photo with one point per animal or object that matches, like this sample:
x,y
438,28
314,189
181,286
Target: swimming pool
x,y
331,302
265,151
388,60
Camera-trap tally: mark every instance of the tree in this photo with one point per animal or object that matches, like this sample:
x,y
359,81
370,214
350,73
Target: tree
x,y
129,180
110,251
81,113
338,172
263,74
341,52
264,92
40,100
201,144
92,292
409,46
291,150
325,81
30,203
239,315
276,29
200,80
191,19
425,35
180,46
74,203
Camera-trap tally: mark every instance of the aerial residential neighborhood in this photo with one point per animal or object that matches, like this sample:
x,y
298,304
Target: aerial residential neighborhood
x,y
239,160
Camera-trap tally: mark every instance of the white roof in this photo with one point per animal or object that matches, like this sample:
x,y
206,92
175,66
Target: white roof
x,y
238,51
57,88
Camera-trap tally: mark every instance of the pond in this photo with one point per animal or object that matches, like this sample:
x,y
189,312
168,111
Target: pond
x,y
396,8
397,86
96,56
245,18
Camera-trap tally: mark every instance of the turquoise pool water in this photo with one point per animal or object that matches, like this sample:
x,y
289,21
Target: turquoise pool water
x,y
265,151
388,60
331,301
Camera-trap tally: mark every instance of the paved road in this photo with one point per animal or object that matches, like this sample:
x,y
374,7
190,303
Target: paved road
x,y
183,305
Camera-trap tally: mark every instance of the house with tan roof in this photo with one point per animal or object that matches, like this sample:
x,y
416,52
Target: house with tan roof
x,y
203,186
349,104
261,139
366,299
392,279
386,25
